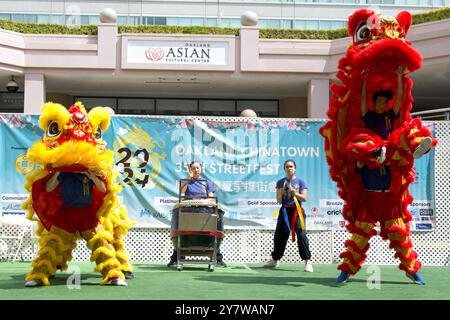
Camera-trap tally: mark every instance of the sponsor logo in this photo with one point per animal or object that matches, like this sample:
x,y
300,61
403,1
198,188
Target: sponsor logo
x,y
426,212
314,211
424,226
23,165
334,212
13,197
331,203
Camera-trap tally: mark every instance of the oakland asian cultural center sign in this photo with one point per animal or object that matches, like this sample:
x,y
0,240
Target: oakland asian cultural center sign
x,y
178,52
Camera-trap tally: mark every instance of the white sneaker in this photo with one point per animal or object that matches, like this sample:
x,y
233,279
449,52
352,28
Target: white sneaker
x,y
422,148
382,155
32,283
308,266
272,263
118,282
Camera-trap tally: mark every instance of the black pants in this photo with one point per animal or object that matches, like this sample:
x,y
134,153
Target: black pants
x,y
282,235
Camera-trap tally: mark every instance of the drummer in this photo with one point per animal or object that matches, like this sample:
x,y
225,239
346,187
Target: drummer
x,y
195,188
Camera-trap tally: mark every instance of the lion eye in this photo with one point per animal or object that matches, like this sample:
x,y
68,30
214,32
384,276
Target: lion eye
x,y
98,134
362,33
53,129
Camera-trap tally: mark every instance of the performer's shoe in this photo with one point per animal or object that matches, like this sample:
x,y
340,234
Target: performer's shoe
x,y
128,274
416,278
33,283
118,282
172,263
272,263
221,263
343,277
309,266
423,148
380,154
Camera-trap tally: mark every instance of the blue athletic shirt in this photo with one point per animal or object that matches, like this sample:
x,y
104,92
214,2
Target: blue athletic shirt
x,y
297,184
376,179
380,123
198,188
76,189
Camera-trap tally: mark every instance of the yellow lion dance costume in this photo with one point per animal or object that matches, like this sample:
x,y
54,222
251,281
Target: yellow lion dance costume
x,y
73,195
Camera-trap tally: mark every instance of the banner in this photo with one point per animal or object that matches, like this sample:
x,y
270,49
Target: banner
x,y
244,159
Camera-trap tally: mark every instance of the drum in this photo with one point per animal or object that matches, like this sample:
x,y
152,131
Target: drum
x,y
189,238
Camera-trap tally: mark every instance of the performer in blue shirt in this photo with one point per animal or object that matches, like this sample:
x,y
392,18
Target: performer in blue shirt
x,y
288,218
196,188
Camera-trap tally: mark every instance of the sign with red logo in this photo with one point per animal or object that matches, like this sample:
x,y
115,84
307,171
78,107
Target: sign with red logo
x,y
178,52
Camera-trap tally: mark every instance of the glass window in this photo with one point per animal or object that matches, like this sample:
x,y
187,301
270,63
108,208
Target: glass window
x,y
30,18
264,108
172,21
18,17
273,24
198,21
148,20
324,25
134,20
176,106
122,20
136,106
160,21
89,103
212,22
312,24
288,24
84,19
43,18
5,16
300,24
217,107
184,22
58,19
94,19
235,23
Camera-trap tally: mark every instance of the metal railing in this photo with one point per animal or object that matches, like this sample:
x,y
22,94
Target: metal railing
x,y
436,114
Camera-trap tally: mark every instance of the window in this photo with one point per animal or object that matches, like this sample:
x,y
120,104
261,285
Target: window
x,y
264,108
148,20
5,16
160,21
176,106
212,22
198,21
17,17
43,18
89,103
57,19
135,106
288,24
217,107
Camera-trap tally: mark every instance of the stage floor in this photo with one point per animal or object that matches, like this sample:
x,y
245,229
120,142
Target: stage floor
x,y
155,281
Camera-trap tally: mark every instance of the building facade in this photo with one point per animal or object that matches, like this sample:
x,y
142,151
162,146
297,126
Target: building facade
x,y
199,74
290,14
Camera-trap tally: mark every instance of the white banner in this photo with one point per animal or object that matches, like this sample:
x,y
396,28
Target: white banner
x,y
178,52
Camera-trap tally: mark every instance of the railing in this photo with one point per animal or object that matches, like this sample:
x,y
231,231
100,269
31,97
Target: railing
x,y
437,114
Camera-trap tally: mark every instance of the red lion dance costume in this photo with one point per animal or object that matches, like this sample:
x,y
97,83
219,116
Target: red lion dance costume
x,y
374,57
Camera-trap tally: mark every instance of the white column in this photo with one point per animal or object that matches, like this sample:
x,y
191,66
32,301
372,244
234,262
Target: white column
x,y
249,53
35,91
107,45
318,98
